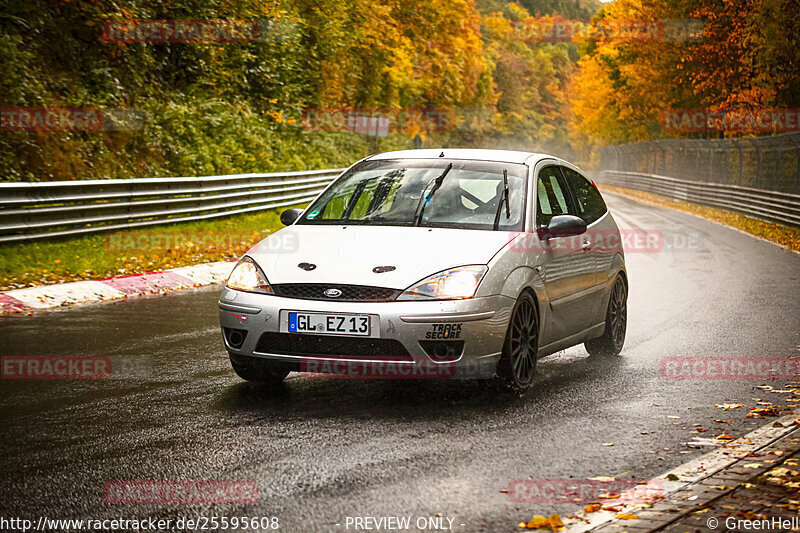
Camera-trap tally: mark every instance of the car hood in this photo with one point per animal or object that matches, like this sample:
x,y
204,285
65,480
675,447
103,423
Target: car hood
x,y
348,254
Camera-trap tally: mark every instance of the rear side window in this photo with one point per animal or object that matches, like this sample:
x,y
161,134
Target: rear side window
x,y
551,196
590,204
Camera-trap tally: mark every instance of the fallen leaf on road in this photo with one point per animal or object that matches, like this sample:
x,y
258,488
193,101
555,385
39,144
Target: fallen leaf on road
x,y
603,479
725,436
592,508
672,416
607,444
538,521
672,477
555,521
722,421
728,406
609,496
753,465
781,472
626,516
764,411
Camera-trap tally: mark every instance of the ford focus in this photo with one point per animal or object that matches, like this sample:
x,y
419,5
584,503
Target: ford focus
x,y
432,263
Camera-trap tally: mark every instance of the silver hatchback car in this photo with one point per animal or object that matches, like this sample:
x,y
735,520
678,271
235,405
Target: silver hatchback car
x,y
432,263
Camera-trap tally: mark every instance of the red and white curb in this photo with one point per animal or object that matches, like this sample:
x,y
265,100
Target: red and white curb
x,y
63,294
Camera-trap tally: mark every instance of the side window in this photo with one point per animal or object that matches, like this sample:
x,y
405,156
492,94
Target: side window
x,y
552,196
590,204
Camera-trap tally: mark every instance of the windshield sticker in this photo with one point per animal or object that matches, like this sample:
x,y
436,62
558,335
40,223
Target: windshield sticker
x,y
312,214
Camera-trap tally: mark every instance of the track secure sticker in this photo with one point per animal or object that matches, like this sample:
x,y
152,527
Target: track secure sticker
x,y
444,331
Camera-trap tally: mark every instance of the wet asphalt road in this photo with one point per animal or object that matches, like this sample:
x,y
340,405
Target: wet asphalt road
x,y
324,449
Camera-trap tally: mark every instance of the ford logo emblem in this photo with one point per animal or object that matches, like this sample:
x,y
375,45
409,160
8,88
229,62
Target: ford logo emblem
x,y
332,293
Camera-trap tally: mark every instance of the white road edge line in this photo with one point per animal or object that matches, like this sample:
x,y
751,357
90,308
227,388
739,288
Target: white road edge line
x,y
693,471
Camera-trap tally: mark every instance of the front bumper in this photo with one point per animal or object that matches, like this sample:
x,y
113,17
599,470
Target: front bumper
x,y
481,324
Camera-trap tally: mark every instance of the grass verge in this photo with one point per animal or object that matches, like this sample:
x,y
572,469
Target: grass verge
x,y
784,235
135,251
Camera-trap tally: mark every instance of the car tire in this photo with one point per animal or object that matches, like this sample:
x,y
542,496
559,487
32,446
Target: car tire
x,y
516,369
610,343
257,371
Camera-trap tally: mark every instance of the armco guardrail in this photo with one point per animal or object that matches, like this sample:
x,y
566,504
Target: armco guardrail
x,y
769,162
39,210
783,208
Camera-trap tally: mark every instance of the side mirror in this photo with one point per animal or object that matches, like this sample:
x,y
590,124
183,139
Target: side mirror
x,y
563,226
289,216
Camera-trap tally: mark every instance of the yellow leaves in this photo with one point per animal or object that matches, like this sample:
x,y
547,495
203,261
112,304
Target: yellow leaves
x,y
592,508
538,521
277,116
761,412
728,406
781,471
725,436
626,516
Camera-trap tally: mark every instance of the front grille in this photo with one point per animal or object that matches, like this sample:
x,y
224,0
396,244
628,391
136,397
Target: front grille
x,y
332,345
350,293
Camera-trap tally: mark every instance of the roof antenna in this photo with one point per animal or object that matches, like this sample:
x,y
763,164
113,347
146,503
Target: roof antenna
x,y
441,155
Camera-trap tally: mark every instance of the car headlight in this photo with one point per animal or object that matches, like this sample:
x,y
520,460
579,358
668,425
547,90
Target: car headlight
x,y
452,284
246,276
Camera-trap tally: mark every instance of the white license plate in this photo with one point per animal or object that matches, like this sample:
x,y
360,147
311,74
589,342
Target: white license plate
x,y
328,324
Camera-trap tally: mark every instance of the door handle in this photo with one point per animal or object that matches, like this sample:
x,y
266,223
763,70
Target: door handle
x,y
587,244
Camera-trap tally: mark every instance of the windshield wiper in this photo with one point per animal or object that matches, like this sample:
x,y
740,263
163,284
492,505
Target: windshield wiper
x,y
423,200
503,200
348,210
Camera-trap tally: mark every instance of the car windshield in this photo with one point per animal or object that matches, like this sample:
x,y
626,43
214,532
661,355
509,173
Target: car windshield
x,y
425,192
